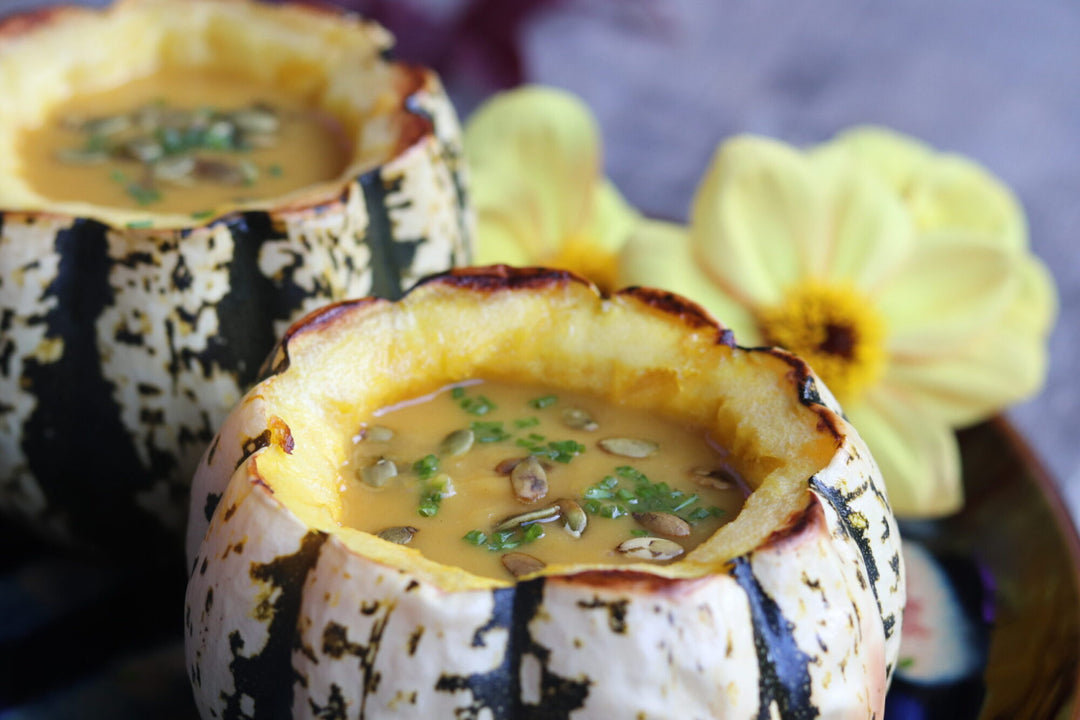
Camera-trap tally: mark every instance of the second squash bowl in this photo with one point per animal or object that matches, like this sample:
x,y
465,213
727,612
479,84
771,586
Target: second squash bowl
x,y
126,334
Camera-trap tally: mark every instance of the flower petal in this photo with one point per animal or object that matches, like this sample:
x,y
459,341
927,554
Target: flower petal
x,y
871,228
757,216
612,219
917,454
949,290
1004,365
953,194
534,159
894,157
658,255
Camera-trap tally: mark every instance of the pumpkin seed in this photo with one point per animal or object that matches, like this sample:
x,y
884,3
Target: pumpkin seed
x,y
545,513
650,548
718,479
378,433
629,447
219,171
663,523
144,149
457,443
106,126
378,474
257,120
574,516
177,167
522,564
579,419
400,535
529,480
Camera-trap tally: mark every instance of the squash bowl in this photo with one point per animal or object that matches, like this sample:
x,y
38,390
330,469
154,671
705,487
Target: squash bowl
x,y
125,334
793,609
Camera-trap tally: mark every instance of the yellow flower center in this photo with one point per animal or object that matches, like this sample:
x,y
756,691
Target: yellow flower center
x,y
832,327
590,259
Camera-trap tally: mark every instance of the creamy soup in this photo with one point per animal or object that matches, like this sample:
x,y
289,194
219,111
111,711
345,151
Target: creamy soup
x,y
181,142
502,480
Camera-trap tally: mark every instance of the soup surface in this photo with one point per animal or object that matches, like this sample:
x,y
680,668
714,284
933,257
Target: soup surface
x,y
502,479
181,141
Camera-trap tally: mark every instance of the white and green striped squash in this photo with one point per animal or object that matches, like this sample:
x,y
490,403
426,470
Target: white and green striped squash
x,y
791,610
125,337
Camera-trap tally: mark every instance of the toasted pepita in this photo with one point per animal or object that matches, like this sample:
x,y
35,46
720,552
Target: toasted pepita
x,y
529,480
400,535
379,473
574,516
457,443
522,564
378,433
540,514
650,548
579,419
662,523
716,478
629,447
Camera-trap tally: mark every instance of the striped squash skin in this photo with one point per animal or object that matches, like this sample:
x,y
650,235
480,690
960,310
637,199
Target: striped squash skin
x,y
122,349
286,621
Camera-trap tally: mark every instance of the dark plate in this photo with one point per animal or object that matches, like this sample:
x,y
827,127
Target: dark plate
x,y
999,605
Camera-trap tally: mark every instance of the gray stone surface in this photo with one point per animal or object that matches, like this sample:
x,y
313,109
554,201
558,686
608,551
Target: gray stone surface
x,y
996,80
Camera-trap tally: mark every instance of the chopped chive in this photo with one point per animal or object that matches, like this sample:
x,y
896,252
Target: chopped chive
x,y
475,537
543,401
533,532
274,170
489,431
479,405
426,467
202,214
522,423
457,393
639,533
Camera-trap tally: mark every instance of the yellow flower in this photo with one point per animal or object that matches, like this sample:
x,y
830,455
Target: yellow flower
x,y
902,276
538,188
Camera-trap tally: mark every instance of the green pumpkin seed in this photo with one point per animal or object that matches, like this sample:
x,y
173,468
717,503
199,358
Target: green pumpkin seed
x,y
650,548
629,447
545,513
579,419
175,168
457,443
378,433
529,480
522,564
663,523
400,535
256,120
718,479
380,473
107,126
144,149
574,517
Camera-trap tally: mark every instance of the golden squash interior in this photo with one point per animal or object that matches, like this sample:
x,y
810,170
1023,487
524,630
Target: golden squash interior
x,y
333,64
339,366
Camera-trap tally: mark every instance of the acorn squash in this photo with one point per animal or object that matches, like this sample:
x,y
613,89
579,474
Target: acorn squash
x,y
125,334
793,609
